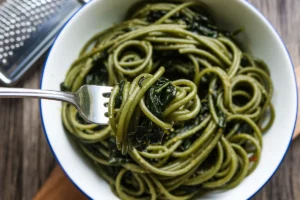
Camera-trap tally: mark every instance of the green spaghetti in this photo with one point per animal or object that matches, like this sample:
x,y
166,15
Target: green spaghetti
x,y
188,108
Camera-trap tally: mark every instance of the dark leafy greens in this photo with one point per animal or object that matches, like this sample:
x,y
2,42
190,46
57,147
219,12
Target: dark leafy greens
x,y
157,98
202,23
98,75
222,119
188,125
119,97
203,26
146,133
64,88
115,156
178,66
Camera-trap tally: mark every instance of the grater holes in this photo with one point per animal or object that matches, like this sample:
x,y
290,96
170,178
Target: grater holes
x,y
32,19
23,24
12,21
20,19
2,27
23,18
27,13
5,21
38,4
28,9
32,12
47,13
33,6
13,15
47,6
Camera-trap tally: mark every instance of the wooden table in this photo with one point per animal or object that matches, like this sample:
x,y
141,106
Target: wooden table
x,y
26,160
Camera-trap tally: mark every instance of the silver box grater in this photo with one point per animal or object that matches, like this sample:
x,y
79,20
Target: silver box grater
x,y
27,30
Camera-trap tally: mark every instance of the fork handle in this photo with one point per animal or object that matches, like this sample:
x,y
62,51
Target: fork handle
x,y
37,94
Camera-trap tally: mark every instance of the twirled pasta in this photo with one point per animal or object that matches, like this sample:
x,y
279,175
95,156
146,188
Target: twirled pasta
x,y
188,107
185,106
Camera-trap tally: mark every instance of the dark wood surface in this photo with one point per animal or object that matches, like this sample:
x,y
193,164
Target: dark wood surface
x,y
26,160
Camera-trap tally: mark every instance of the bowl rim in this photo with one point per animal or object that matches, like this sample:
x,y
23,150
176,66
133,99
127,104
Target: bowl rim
x,y
249,5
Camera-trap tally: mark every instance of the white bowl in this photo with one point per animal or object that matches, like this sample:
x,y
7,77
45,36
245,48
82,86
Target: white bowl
x,y
260,38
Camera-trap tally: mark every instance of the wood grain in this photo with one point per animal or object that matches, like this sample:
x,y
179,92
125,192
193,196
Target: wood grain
x,y
284,16
25,158
297,130
58,187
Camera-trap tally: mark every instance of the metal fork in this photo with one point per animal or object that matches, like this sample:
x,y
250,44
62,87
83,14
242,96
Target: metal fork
x,y
90,100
